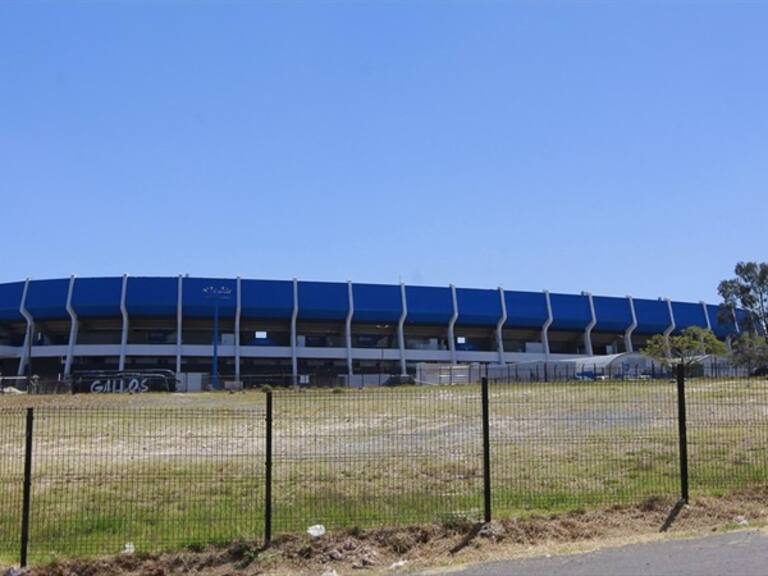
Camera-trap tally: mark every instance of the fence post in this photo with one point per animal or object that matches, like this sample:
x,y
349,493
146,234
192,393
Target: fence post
x,y
27,488
682,427
268,472
486,451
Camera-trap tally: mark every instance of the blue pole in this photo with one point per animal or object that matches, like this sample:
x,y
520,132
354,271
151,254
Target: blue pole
x,y
215,371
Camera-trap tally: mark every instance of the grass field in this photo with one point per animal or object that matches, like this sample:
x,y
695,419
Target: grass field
x,y
162,471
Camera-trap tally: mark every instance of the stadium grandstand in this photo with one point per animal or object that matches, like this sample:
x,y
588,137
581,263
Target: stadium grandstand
x,y
295,327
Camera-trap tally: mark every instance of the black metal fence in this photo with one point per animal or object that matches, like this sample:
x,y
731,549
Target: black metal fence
x,y
91,481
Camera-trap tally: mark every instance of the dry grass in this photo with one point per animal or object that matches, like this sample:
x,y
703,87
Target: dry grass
x,y
168,471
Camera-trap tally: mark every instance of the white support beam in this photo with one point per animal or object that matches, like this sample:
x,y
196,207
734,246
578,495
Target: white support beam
x,y
24,358
124,332
671,327
72,330
238,314
294,317
500,326
588,330
452,324
706,315
401,329
179,322
709,326
348,328
628,346
547,324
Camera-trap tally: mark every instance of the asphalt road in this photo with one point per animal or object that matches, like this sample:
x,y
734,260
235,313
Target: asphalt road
x,y
743,553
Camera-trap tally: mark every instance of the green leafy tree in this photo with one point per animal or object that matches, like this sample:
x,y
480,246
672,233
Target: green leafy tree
x,y
748,291
751,351
685,347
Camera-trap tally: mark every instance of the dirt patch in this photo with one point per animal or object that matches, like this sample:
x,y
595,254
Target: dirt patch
x,y
402,550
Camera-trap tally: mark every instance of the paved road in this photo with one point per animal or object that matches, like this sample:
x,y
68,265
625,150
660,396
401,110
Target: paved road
x,y
743,553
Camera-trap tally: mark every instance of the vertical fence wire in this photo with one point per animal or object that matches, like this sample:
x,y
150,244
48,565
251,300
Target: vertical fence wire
x,y
107,480
727,430
377,457
563,445
12,433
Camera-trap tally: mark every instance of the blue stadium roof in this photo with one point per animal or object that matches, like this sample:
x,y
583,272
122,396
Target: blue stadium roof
x,y
330,301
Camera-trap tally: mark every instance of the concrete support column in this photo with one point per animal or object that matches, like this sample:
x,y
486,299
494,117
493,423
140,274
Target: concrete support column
x,y
238,314
737,328
348,329
671,327
706,315
547,324
452,324
707,320
124,332
401,330
29,333
294,318
179,323
500,326
628,346
72,330
588,330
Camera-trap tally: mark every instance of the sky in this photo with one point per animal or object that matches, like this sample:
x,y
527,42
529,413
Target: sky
x,y
613,147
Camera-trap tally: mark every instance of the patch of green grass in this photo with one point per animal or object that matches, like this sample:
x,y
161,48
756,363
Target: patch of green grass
x,y
98,516
164,475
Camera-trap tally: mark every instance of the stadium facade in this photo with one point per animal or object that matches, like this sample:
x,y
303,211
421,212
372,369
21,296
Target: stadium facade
x,y
297,327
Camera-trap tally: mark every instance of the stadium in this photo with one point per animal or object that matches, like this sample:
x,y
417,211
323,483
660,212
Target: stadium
x,y
295,327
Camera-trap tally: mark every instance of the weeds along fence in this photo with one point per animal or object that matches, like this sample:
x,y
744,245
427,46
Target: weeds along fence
x,y
94,481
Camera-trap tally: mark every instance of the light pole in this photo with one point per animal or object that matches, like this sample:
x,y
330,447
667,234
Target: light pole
x,y
217,294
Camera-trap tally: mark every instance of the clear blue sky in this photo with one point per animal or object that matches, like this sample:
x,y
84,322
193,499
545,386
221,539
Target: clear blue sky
x,y
612,147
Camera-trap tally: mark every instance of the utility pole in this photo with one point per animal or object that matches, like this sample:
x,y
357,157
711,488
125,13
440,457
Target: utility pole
x,y
216,294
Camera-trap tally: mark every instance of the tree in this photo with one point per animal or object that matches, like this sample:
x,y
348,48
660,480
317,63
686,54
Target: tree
x,y
750,351
748,291
685,347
